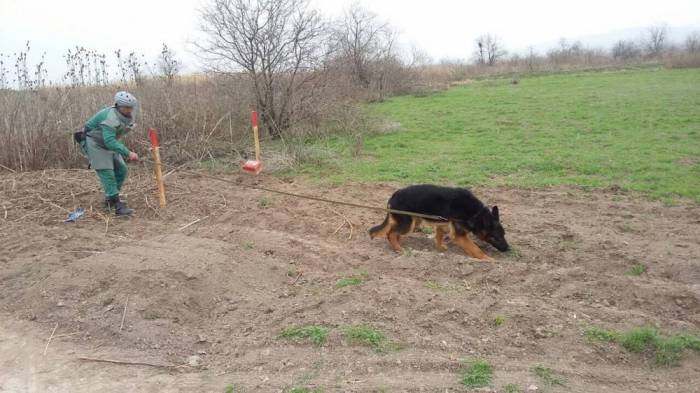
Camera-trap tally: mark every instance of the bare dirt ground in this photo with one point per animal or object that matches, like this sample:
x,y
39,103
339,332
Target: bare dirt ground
x,y
221,290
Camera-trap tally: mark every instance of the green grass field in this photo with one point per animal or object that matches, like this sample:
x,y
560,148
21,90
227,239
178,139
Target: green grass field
x,y
635,129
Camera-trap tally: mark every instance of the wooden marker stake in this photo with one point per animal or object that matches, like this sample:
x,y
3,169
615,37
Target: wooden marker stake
x,y
155,149
250,165
256,135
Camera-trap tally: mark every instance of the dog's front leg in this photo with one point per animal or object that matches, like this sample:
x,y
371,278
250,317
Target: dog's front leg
x,y
471,248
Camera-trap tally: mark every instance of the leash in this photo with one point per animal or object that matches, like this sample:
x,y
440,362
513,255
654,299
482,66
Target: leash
x,y
301,196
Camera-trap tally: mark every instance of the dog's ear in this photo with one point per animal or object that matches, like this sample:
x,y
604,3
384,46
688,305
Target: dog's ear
x,y
494,213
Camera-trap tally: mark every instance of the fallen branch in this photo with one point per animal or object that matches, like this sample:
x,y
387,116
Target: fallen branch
x,y
342,224
66,334
46,348
192,223
352,227
48,202
104,217
126,303
9,169
86,359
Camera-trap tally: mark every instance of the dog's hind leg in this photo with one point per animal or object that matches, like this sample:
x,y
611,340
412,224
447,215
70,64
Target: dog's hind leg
x,y
383,228
394,241
439,238
400,225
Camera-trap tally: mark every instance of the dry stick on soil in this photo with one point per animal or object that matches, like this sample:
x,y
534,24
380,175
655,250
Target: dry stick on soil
x,y
49,341
48,202
342,224
66,334
297,279
192,223
105,218
352,227
151,207
9,169
126,362
126,303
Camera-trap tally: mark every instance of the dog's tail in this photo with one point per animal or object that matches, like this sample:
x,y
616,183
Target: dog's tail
x,y
381,229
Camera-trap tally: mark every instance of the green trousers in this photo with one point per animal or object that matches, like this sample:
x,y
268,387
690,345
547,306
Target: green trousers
x,y
112,180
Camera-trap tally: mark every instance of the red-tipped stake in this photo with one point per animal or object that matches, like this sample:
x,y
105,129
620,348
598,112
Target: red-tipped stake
x,y
250,165
155,150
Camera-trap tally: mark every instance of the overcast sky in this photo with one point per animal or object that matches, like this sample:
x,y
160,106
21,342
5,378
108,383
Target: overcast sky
x,y
444,28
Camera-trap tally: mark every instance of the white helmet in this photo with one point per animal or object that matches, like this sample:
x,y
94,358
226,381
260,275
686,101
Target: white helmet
x,y
124,98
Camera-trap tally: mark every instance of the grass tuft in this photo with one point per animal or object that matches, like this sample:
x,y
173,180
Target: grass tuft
x,y
366,335
636,270
316,334
352,280
548,376
304,390
511,388
264,203
666,350
477,373
498,321
638,339
599,334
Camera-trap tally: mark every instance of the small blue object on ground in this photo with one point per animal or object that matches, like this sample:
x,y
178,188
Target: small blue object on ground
x,y
74,216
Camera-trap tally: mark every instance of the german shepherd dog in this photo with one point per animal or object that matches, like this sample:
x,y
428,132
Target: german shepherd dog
x,y
462,211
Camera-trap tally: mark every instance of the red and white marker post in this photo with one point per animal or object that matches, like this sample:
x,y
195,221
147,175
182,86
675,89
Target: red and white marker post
x,y
256,165
155,150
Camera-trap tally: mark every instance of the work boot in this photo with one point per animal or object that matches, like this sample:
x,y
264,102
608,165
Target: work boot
x,y
120,208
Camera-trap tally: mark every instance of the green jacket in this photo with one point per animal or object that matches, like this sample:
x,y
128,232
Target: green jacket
x,y
106,127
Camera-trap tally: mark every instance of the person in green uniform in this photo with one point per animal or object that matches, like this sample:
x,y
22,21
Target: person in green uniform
x,y
106,153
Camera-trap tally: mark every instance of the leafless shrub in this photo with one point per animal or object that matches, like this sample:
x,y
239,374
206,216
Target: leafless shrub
x,y
684,60
278,44
85,67
4,72
131,68
489,49
362,42
168,64
655,41
623,50
26,76
692,42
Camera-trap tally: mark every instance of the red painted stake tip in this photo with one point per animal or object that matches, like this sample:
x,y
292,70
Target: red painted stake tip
x,y
153,135
254,118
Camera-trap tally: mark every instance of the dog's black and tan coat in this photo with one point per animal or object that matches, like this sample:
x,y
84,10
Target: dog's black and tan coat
x,y
463,213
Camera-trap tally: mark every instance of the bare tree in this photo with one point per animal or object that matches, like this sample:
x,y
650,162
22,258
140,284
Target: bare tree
x,y
489,49
168,64
655,40
531,59
419,58
362,41
625,50
277,43
4,73
692,42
